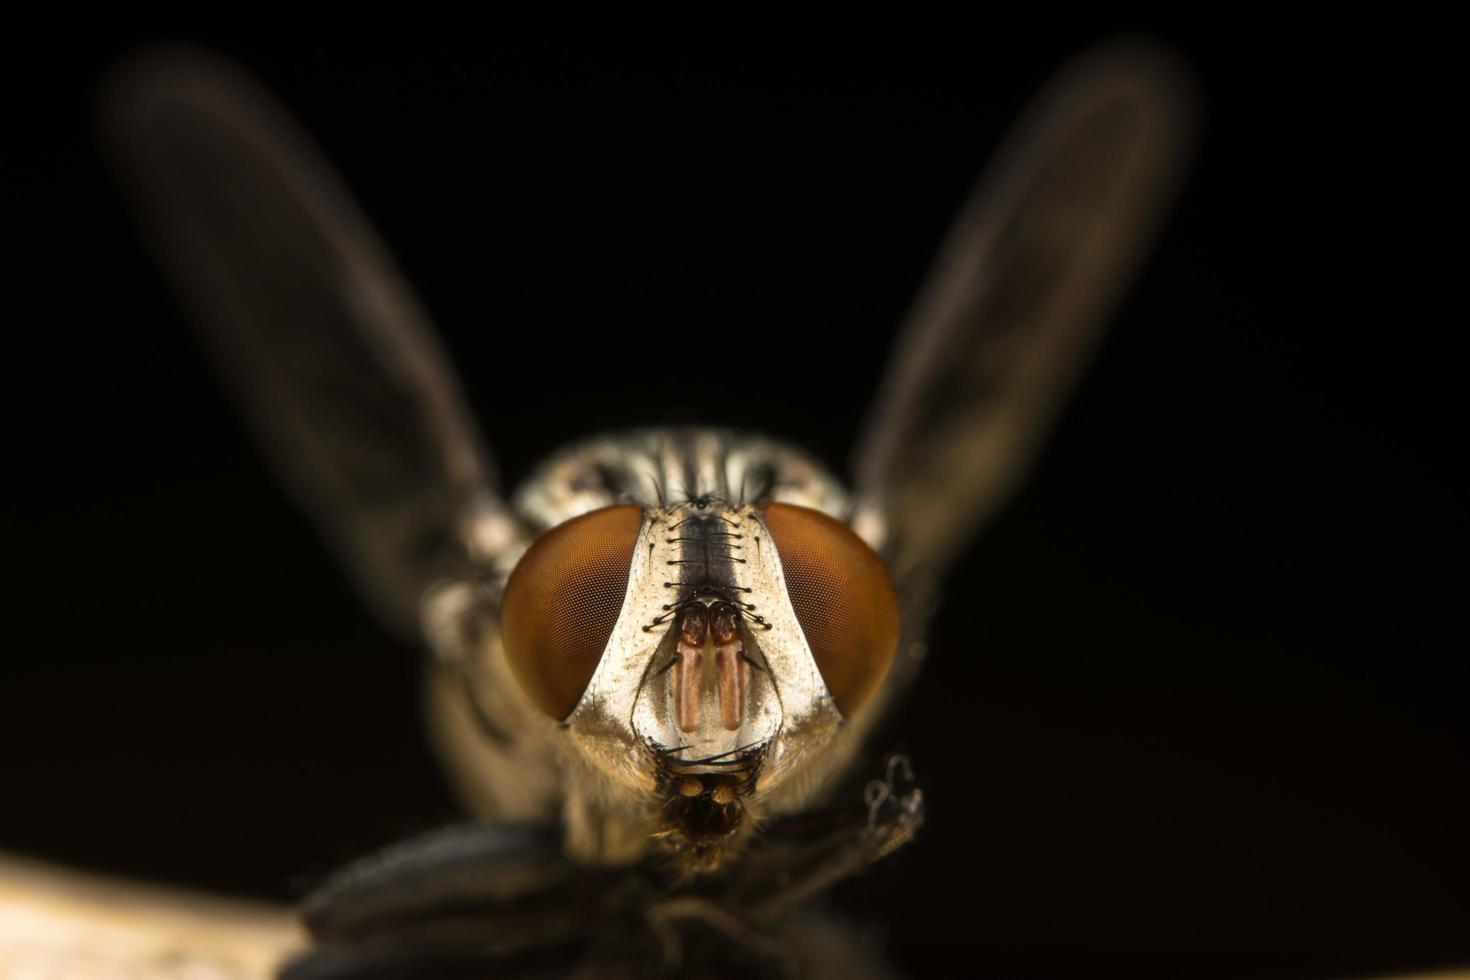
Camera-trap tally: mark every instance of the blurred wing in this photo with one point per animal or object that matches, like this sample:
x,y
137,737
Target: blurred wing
x,y
56,923
1016,301
327,350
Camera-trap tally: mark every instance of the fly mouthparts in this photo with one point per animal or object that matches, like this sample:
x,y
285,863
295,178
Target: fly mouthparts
x,y
704,817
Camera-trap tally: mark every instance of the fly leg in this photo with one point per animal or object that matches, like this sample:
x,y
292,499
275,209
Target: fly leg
x,y
462,902
796,865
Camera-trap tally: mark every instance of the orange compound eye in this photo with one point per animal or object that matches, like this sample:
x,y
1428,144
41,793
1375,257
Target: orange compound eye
x,y
842,598
562,602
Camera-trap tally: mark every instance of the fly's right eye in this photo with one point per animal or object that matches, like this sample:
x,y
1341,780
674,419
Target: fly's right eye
x,y
562,602
842,598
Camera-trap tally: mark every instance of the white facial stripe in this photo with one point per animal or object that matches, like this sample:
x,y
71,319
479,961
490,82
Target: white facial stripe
x,y
705,703
649,691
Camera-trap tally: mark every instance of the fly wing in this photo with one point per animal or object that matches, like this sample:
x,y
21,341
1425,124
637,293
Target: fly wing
x,y
328,352
1016,301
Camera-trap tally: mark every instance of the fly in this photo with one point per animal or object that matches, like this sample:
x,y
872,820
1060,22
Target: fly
x,y
656,667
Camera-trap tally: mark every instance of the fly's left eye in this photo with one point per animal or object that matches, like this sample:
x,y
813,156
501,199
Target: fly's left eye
x,y
843,600
562,602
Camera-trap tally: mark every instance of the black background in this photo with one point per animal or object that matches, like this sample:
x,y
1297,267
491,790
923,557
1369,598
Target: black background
x,y
1196,703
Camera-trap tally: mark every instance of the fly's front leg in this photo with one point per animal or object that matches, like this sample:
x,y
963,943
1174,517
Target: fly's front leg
x,y
895,806
759,916
797,863
465,901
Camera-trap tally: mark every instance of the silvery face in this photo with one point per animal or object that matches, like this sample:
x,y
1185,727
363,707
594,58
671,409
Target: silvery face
x,y
711,672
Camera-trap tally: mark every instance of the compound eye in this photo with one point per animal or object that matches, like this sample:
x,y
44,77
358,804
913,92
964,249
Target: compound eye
x,y
842,598
562,601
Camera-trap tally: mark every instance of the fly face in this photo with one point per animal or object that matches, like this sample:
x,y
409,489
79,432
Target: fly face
x,y
700,652
668,637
